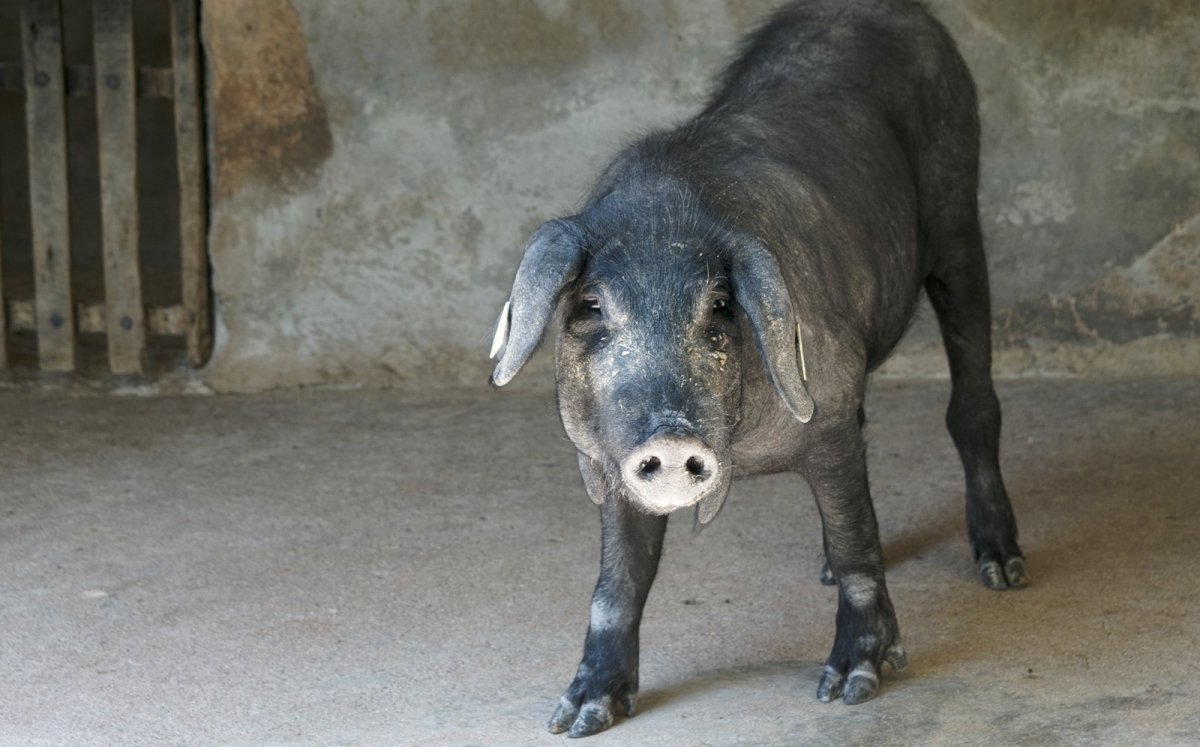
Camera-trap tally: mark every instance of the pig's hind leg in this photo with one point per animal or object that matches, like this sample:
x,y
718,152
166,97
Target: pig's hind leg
x,y
958,290
957,286
608,673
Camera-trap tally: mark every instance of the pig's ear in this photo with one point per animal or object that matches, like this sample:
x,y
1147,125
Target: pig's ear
x,y
553,258
758,287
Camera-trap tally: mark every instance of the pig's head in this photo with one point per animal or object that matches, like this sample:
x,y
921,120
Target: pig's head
x,y
657,322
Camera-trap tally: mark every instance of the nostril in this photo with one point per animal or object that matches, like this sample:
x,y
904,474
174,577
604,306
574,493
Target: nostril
x,y
648,467
695,467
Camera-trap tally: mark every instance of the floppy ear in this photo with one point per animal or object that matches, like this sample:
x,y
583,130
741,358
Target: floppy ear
x,y
759,289
553,258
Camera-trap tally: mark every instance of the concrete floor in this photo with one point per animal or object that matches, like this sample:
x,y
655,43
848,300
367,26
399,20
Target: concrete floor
x,y
379,569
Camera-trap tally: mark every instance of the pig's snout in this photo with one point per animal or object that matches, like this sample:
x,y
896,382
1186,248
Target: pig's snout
x,y
670,471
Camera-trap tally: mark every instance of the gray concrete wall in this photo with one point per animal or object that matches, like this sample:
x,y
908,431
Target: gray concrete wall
x,y
378,165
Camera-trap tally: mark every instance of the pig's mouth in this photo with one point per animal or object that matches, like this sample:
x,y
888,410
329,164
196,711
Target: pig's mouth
x,y
673,470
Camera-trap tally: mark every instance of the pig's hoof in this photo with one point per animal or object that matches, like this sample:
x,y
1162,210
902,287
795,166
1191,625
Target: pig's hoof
x,y
860,683
859,686
580,716
593,718
1003,572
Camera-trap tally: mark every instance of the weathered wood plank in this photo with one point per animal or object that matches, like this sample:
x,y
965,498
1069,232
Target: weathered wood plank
x,y
189,145
167,321
164,321
22,316
12,78
3,316
41,33
116,123
153,82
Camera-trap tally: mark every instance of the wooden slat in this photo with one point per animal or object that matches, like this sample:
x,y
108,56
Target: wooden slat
x,y
189,145
41,34
22,316
168,321
12,78
153,82
116,123
3,315
163,321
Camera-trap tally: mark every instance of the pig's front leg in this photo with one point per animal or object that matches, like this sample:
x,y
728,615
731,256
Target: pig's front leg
x,y
867,633
608,674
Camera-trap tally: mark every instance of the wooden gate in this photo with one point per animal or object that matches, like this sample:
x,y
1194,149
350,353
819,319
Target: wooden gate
x,y
118,87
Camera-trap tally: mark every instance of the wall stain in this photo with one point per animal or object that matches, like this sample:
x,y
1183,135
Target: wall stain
x,y
1063,22
485,34
1159,294
269,124
747,14
612,22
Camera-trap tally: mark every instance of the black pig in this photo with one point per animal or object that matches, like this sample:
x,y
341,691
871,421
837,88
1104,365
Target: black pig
x,y
725,291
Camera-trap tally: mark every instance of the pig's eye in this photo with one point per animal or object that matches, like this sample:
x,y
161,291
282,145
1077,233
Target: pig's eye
x,y
591,304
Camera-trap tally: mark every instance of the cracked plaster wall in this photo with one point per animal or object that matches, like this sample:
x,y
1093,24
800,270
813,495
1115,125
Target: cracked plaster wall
x,y
378,165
